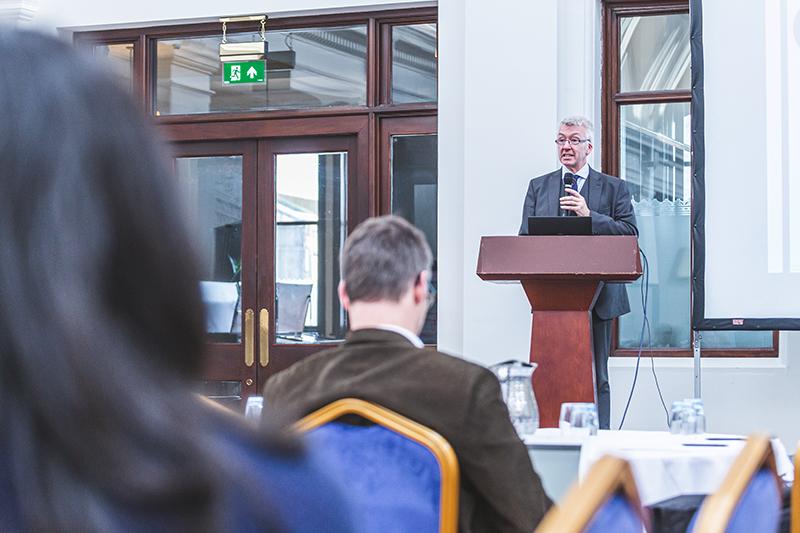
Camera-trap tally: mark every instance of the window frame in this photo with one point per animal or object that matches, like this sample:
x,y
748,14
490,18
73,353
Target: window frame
x,y
291,122
612,100
389,127
115,37
387,32
379,25
363,123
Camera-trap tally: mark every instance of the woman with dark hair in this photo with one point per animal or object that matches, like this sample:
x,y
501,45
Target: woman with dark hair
x,y
101,330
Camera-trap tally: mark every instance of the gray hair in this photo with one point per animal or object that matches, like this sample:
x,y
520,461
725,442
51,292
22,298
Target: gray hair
x,y
581,122
382,257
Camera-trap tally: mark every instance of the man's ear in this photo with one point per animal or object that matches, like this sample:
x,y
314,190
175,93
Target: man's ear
x,y
343,296
421,287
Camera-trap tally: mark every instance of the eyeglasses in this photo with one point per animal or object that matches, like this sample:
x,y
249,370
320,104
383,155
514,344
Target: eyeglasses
x,y
573,142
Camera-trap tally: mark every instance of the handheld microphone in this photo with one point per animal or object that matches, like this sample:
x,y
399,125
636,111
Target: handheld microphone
x,y
569,181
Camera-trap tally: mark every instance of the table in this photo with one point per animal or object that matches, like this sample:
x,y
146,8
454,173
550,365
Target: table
x,y
556,458
663,465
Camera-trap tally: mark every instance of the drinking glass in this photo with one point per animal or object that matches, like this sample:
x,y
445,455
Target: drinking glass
x,y
677,416
687,417
699,414
252,410
578,419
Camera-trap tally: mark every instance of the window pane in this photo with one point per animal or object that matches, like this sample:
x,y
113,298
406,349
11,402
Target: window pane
x,y
654,53
655,160
737,339
317,67
212,189
414,63
414,196
310,228
118,59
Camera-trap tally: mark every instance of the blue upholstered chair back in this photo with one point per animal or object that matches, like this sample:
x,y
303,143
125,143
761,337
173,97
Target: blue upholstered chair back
x,y
758,509
393,482
607,501
617,515
749,498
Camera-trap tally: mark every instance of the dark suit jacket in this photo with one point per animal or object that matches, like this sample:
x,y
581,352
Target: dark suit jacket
x,y
610,206
500,491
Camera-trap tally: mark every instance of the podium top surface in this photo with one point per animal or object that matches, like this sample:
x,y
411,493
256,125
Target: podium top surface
x,y
595,257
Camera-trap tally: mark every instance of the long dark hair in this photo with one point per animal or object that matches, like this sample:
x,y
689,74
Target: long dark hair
x,y
101,325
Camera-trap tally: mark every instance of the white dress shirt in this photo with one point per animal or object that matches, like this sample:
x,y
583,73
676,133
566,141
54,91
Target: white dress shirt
x,y
581,176
412,338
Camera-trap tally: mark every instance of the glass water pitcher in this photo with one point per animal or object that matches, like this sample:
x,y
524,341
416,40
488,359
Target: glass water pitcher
x,y
517,388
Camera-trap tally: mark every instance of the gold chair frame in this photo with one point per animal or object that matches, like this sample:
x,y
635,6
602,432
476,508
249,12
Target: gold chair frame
x,y
717,510
607,476
422,435
796,493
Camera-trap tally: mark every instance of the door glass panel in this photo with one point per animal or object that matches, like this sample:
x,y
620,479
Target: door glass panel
x,y
655,161
226,393
211,188
414,197
316,67
414,63
310,228
654,53
118,60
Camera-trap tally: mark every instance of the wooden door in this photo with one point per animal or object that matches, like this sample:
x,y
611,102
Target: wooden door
x,y
308,188
217,186
409,187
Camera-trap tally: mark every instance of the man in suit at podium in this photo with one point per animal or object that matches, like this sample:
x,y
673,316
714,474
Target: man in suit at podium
x,y
576,189
385,272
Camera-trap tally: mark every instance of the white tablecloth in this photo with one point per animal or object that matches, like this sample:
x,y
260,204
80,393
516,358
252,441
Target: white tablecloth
x,y
665,465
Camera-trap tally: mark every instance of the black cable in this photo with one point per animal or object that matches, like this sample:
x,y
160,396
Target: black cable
x,y
650,347
658,388
644,289
645,293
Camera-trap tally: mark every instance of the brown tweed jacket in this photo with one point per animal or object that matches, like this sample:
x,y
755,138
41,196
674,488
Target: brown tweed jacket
x,y
500,491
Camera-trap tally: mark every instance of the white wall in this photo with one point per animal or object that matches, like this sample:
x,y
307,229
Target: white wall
x,y
90,13
520,69
506,76
450,291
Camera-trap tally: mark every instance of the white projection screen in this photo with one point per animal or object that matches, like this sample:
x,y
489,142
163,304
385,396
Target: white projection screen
x,y
746,175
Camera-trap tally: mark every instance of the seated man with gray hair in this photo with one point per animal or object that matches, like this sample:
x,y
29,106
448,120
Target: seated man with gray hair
x,y
385,268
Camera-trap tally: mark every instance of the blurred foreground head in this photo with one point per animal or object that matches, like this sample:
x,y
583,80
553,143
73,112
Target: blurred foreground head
x,y
100,319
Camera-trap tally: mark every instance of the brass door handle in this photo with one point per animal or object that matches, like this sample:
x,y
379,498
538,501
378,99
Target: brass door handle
x,y
263,324
249,349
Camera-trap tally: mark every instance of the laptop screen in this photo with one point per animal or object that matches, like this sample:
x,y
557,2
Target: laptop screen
x,y
559,225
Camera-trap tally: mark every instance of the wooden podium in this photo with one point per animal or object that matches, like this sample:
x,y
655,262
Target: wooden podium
x,y
562,277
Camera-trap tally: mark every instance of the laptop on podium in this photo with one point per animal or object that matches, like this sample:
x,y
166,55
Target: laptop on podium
x,y
560,225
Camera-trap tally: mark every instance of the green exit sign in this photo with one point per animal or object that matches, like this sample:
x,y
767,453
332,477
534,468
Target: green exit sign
x,y
244,72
